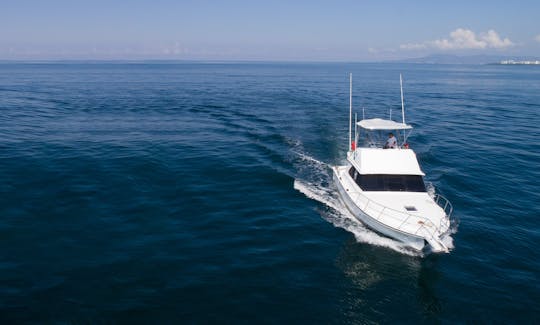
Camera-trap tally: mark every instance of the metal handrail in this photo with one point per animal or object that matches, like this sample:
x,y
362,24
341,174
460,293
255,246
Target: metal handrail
x,y
446,202
440,200
405,215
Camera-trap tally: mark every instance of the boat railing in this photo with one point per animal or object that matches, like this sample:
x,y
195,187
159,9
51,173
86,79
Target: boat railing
x,y
401,217
444,204
447,208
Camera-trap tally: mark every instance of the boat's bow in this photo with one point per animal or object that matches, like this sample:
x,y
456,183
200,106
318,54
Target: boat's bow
x,y
436,244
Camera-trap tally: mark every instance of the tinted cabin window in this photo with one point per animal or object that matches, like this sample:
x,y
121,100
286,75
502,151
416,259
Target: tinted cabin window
x,y
353,173
397,183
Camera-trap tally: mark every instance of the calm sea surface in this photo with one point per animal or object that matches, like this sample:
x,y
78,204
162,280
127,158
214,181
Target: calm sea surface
x,y
200,192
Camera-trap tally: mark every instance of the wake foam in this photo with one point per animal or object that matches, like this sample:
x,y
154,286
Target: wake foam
x,y
430,188
447,239
315,182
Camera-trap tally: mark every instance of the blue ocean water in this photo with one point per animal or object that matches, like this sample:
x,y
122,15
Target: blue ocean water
x,y
200,192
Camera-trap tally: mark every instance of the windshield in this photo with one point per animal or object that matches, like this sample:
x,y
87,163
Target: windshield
x,y
377,138
383,182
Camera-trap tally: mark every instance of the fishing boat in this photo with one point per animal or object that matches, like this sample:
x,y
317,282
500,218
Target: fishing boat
x,y
382,184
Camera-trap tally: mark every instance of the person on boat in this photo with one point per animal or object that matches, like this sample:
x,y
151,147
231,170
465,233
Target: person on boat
x,y
391,142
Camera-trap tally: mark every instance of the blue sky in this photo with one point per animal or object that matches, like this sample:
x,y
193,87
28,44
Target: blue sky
x,y
265,30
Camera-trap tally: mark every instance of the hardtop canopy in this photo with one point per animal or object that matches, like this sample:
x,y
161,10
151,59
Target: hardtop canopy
x,y
380,124
385,162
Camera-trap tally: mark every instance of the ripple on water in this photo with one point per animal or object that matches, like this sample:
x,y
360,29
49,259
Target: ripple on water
x,y
149,192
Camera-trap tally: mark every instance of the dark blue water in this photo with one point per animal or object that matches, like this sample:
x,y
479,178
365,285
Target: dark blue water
x,y
167,193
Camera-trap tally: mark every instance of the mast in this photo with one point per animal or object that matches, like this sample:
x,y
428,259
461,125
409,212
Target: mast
x,y
402,104
350,110
402,107
355,133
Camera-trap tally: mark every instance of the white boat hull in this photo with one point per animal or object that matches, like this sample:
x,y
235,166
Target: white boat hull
x,y
416,242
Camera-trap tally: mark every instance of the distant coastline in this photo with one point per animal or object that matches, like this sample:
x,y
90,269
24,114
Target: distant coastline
x,y
430,59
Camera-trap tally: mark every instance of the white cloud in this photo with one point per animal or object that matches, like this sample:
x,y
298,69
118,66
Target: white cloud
x,y
462,38
493,40
413,46
537,38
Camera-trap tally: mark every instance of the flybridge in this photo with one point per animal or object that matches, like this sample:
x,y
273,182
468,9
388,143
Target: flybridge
x,y
377,124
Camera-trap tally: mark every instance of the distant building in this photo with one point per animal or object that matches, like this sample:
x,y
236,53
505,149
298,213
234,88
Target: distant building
x,y
537,62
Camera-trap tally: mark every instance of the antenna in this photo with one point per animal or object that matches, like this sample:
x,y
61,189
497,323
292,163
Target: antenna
x,y
390,113
350,109
355,133
402,104
363,113
402,107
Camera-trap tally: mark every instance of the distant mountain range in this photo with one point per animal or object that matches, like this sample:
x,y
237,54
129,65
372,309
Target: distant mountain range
x,y
470,59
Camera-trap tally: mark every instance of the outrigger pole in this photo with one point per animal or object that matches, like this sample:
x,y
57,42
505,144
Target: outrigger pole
x,y
402,107
402,104
350,110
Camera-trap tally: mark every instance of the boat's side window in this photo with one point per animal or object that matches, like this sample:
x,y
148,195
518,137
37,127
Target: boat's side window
x,y
353,173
